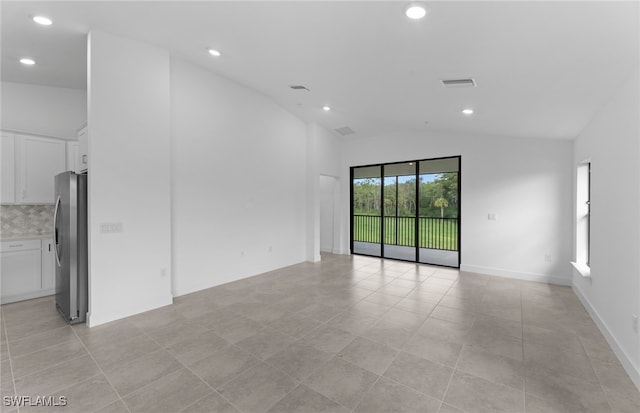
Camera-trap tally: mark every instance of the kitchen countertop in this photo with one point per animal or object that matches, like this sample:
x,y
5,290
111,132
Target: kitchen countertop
x,y
17,237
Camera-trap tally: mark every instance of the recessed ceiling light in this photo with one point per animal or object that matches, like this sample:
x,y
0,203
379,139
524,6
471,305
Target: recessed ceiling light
x,y
467,111
326,108
415,11
214,52
43,20
27,61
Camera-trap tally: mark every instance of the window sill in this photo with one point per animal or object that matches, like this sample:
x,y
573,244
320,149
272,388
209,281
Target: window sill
x,y
582,268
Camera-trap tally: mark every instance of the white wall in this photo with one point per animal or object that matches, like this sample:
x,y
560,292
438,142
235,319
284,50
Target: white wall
x,y
328,152
129,177
328,155
43,110
314,142
525,182
239,196
612,295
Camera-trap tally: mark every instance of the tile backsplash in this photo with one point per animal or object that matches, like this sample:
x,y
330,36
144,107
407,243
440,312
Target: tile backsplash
x,y
17,220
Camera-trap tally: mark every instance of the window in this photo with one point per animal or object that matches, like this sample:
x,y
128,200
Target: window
x,y
583,219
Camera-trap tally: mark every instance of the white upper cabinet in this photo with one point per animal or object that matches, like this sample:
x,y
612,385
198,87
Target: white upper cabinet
x,y
8,183
38,160
73,156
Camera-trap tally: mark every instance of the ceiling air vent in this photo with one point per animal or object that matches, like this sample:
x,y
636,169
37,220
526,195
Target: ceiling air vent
x,y
345,130
299,87
450,83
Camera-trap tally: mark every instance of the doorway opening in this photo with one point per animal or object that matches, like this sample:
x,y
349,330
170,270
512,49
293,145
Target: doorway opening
x,y
407,211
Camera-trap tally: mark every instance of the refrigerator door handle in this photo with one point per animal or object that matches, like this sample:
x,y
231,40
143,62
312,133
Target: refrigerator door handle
x,y
55,231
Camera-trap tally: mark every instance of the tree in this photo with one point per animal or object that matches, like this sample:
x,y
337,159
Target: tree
x,y
407,198
366,196
442,204
389,207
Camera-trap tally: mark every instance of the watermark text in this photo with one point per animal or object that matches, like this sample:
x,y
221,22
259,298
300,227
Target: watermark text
x,y
34,401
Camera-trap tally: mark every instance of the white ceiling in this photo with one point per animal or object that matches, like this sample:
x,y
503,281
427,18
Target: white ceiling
x,y
543,69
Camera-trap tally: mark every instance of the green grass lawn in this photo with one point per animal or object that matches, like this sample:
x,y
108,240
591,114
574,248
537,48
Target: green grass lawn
x,y
433,232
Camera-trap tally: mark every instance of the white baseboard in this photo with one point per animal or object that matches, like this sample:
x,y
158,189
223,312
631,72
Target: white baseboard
x,y
93,320
27,296
526,276
335,251
632,370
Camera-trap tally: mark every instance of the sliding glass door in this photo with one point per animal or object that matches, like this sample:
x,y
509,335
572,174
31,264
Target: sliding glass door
x,y
366,188
400,211
439,205
408,211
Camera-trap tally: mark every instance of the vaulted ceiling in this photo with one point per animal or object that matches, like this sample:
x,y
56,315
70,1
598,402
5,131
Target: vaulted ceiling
x,y
542,69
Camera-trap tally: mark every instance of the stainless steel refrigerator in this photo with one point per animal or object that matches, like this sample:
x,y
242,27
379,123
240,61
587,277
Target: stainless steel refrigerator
x,y
71,251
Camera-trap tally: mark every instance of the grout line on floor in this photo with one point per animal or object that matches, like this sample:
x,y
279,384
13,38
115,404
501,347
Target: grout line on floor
x,y
6,338
193,372
44,348
299,382
101,371
201,398
455,366
602,388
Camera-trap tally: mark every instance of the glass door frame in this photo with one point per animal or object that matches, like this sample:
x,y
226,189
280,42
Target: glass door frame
x,y
417,212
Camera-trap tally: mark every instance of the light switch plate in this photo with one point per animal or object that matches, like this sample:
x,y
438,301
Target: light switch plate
x,y
111,227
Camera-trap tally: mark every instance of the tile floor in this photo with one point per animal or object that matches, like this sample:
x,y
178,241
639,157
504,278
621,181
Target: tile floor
x,y
349,334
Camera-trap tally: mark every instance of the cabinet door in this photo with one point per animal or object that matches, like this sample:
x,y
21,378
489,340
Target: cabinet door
x,y
8,169
39,160
73,156
83,149
21,272
48,265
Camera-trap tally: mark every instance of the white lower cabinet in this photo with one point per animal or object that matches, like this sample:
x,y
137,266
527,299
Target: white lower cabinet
x,y
48,265
27,270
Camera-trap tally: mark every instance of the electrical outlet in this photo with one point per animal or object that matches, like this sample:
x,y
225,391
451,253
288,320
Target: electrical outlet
x,y
491,216
634,321
270,248
547,257
163,272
